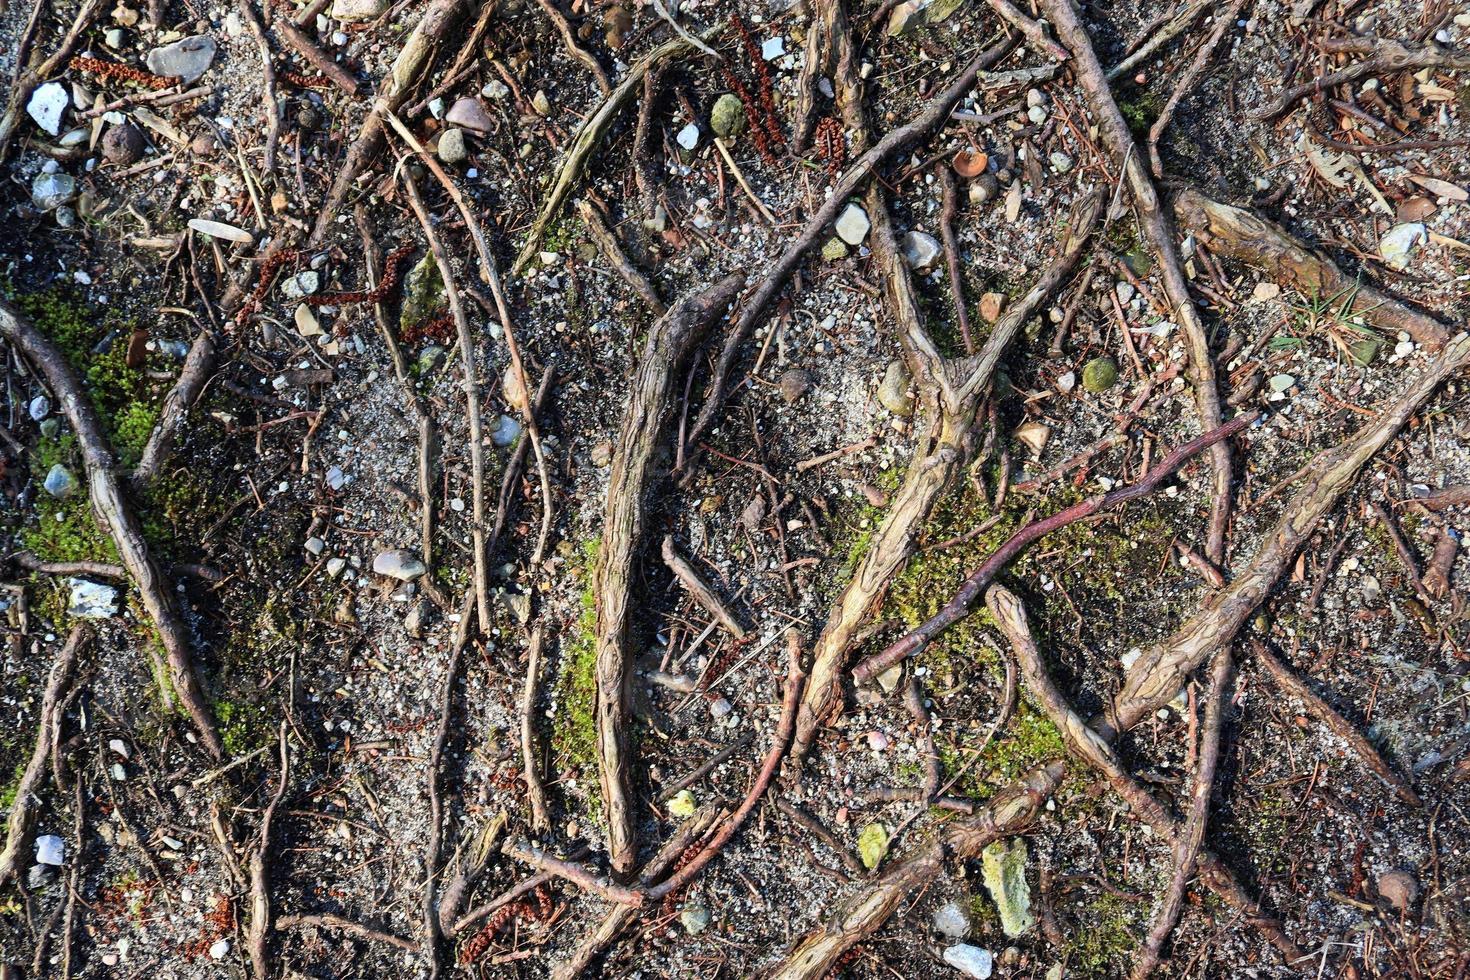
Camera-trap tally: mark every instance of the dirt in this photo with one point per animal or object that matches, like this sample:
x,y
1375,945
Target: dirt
x,y
332,663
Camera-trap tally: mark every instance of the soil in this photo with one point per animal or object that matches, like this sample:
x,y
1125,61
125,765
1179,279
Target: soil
x,y
304,450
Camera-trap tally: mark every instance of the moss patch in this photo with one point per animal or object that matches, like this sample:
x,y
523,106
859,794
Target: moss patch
x,y
574,733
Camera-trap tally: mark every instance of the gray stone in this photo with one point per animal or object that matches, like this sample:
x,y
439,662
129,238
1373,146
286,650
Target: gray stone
x,y
304,283
1280,382
115,38
853,224
420,615
727,118
40,876
51,850
59,482
49,191
794,384
431,359
315,545
185,60
506,432
471,115
952,920
336,479
356,11
452,148
423,294
47,104
688,137
972,961
91,600
40,407
695,919
399,564
893,393
921,251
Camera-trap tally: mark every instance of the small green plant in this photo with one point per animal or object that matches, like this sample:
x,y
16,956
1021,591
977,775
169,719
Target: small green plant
x,y
1335,318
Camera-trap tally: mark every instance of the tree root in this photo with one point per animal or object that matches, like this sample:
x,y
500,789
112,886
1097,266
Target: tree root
x,y
587,138
113,513
578,874
958,607
260,887
1116,136
669,343
1034,31
438,19
318,58
430,910
1160,671
1291,684
569,39
1095,749
700,590
607,242
1223,22
1387,57
335,923
1239,234
22,812
1188,844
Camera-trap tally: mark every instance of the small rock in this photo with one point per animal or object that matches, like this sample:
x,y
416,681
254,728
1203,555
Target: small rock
x,y
471,115
541,103
336,479
511,388
1398,245
772,48
972,961
1265,291
1033,435
431,359
40,407
185,60
423,293
602,453
688,137
921,251
506,432
720,708
123,145
49,191
1280,382
315,545
853,224
59,482
683,805
727,118
124,15
302,284
834,250
452,148
1066,382
1100,374
890,678
399,564
695,919
1363,351
118,746
893,393
1125,292
420,614
794,384
990,306
50,850
952,920
219,949
307,325
335,566
1398,888
356,11
1037,114
619,24
1060,162
1004,871
47,104
204,145
91,600
878,742
984,189
903,16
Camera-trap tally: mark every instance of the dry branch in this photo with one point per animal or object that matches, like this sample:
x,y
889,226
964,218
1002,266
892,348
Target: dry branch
x,y
606,888
260,887
335,923
318,58
700,589
113,513
269,106
438,19
1160,671
1239,234
1389,57
1116,136
607,242
22,812
1034,30
1291,684
530,757
174,412
569,38
976,583
1095,749
667,347
432,849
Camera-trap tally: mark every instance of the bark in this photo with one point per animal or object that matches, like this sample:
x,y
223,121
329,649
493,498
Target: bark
x,y
666,349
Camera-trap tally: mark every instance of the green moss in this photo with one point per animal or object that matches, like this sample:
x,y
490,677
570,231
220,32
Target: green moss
x,y
1103,942
10,789
243,727
65,529
1141,110
574,734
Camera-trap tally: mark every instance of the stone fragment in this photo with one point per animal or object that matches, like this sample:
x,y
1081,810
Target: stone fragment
x,y
399,564
91,600
46,106
1003,866
186,59
853,224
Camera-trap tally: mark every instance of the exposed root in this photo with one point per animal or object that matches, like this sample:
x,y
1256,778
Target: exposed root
x,y
667,347
335,923
1034,31
700,590
260,886
607,243
1223,21
1387,57
432,849
569,39
114,513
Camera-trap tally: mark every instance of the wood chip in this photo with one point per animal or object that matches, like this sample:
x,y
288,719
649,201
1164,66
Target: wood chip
x,y
218,229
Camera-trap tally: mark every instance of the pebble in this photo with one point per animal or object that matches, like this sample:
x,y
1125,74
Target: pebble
x,y
688,137
727,117
952,920
853,224
921,251
50,850
1037,114
720,708
695,919
506,432
115,37
123,145
50,191
336,479
893,393
1398,888
307,325
335,566
1033,435
471,115
119,746
794,384
602,453
399,564
304,283
682,804
355,11
1061,163
452,148
59,482
772,48
315,545
185,60
219,949
1067,381
984,188
541,103
47,104
877,741
1398,245
1280,382
834,250
1265,291
40,407
1100,374
91,600
990,306
972,961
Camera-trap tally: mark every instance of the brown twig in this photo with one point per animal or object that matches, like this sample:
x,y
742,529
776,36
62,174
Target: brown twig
x,y
22,815
577,874
530,757
1291,684
319,59
1033,30
569,38
1117,137
335,923
260,892
821,833
700,590
1223,22
269,106
668,345
1389,57
114,513
977,581
1189,842
434,845
947,216
607,242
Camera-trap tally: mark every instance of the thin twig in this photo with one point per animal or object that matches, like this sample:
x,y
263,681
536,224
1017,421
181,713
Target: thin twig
x,y
700,589
569,38
530,757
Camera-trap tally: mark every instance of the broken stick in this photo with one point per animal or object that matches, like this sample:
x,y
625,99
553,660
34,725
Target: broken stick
x,y
700,590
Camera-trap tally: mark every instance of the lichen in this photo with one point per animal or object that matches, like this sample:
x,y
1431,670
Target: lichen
x,y
574,733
